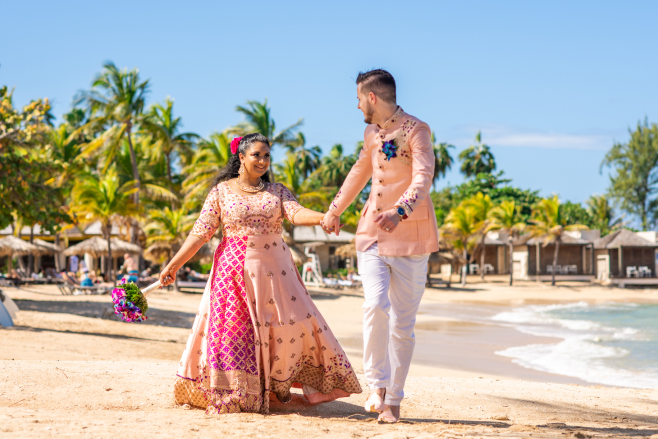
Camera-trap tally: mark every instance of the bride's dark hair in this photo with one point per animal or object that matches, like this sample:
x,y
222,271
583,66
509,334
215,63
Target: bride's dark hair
x,y
231,169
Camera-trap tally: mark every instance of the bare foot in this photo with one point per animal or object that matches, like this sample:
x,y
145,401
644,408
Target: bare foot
x,y
390,415
380,392
375,401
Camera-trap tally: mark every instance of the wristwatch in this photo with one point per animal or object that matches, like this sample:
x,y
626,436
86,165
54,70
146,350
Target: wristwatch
x,y
402,213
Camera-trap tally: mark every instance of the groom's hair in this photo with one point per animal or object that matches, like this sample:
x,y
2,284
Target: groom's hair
x,y
380,82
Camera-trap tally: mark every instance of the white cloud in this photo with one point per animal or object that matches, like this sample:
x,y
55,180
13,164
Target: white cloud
x,y
502,136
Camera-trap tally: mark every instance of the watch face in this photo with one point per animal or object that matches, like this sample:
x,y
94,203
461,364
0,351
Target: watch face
x,y
401,211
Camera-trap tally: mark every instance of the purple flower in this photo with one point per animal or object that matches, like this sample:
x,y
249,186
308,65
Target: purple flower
x,y
389,148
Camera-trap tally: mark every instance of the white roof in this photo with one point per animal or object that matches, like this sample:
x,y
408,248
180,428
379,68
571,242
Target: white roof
x,y
315,233
95,229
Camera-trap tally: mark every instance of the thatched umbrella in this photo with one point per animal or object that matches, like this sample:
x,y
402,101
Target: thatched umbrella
x,y
97,247
47,248
12,246
298,256
159,252
347,250
206,252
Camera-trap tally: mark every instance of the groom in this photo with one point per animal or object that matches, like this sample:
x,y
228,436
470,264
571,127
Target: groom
x,y
396,233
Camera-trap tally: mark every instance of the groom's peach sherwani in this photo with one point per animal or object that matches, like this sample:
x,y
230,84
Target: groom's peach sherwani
x,y
403,181
393,265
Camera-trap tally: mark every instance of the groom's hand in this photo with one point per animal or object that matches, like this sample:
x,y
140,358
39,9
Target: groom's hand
x,y
388,220
331,223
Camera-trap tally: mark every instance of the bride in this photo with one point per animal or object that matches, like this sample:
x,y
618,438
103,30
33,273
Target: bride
x,y
257,330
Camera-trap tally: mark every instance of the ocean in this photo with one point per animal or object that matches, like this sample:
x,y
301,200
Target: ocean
x,y
614,344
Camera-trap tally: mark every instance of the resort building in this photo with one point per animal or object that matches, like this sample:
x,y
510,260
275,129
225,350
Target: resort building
x,y
625,257
496,251
534,261
315,240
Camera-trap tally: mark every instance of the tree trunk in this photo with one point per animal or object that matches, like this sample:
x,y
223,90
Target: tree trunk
x,y
30,257
138,182
557,248
57,254
482,260
133,159
109,253
465,269
168,162
511,262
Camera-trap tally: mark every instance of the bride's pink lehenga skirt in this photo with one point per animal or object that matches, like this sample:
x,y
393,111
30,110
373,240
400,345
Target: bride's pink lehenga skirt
x,y
258,331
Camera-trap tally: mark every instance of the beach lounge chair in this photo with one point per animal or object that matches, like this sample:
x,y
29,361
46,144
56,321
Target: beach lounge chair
x,y
632,272
187,284
645,271
331,283
69,287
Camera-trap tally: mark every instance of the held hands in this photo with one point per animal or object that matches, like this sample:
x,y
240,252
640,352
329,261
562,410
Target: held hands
x,y
167,276
331,223
388,220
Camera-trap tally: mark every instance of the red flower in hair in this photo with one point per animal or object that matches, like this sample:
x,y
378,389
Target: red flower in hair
x,y
234,144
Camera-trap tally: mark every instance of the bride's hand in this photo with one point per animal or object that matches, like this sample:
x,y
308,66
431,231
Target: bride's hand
x,y
167,276
331,223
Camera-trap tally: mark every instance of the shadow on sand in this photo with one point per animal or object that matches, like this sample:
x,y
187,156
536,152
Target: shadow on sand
x,y
100,310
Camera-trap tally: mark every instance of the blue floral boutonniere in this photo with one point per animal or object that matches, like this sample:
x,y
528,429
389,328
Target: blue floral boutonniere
x,y
389,149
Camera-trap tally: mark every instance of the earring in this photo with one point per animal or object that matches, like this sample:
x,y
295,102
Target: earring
x,y
241,170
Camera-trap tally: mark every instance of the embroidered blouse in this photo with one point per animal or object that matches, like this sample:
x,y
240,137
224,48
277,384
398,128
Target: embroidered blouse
x,y
245,215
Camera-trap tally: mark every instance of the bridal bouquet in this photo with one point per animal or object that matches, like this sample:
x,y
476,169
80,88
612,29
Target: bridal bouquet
x,y
130,302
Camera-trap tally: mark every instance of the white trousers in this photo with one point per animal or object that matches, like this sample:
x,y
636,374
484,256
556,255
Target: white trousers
x,y
393,287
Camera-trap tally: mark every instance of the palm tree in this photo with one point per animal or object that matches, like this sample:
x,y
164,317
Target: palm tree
x,y
165,129
482,206
66,151
335,167
304,189
154,182
602,214
308,159
212,155
460,229
103,199
442,159
259,119
507,218
477,159
117,98
549,222
168,227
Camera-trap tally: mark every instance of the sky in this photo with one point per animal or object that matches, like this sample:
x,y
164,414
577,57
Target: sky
x,y
551,85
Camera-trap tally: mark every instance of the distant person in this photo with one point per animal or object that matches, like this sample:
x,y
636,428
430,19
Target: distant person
x,y
194,276
86,281
130,267
395,236
257,330
74,265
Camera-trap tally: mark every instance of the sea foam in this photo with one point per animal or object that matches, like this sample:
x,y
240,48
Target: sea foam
x,y
598,345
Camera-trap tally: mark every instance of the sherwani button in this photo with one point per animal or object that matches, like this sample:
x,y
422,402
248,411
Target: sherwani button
x,y
379,194
381,181
379,209
381,167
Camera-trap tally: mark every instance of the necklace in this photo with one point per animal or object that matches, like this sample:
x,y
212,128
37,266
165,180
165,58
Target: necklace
x,y
250,189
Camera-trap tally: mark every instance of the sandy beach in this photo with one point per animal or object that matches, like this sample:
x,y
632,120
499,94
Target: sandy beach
x,y
71,370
